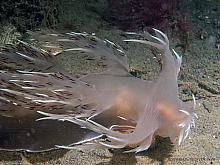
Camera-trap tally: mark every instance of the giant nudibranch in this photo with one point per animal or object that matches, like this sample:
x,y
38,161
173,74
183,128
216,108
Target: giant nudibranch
x,y
43,107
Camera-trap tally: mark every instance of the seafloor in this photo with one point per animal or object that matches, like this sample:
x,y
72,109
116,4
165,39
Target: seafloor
x,y
199,75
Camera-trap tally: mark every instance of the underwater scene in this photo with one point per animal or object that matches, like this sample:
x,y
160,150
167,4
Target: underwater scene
x,y
106,82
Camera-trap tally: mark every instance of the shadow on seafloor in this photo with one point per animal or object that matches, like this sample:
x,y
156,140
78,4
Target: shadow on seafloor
x,y
159,152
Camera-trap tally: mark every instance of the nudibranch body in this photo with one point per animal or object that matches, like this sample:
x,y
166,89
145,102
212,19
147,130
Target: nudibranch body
x,y
43,107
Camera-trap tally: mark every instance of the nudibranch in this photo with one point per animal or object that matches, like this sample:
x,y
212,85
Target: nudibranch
x,y
43,107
